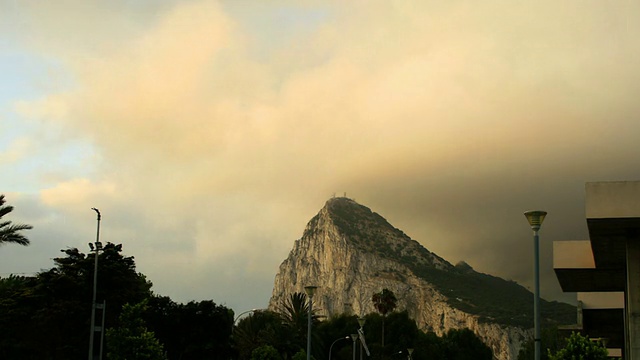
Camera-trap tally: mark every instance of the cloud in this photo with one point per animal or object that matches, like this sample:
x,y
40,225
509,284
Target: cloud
x,y
16,151
216,143
76,192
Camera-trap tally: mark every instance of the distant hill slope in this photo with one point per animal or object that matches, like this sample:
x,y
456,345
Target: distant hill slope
x,y
352,252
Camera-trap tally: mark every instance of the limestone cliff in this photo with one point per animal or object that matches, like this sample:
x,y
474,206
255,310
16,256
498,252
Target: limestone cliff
x,y
350,253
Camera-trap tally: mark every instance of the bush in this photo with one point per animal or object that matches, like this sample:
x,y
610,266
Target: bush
x,y
580,347
265,352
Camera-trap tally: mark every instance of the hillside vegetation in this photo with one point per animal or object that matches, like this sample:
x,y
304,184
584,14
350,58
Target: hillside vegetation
x,y
492,298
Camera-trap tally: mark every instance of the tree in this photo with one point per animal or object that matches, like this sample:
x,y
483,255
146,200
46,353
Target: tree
x,y
463,344
196,330
385,302
295,312
16,309
131,339
285,330
301,355
9,232
265,352
550,339
261,328
580,347
50,314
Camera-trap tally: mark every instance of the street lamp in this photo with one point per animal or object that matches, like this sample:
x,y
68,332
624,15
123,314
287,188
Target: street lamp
x,y
97,248
242,313
535,218
331,347
361,321
410,351
310,290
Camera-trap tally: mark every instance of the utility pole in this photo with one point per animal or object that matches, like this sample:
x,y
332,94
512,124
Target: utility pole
x,y
92,331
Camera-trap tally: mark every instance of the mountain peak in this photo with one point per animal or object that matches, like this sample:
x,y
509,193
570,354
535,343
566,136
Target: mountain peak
x,y
358,221
351,252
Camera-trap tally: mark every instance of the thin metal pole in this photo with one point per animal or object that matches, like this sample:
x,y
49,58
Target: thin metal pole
x,y
102,330
354,337
95,287
536,302
309,328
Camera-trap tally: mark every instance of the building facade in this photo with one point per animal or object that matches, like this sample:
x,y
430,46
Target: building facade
x,y
605,270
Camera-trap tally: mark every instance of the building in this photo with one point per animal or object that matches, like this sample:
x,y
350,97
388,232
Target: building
x,y
605,270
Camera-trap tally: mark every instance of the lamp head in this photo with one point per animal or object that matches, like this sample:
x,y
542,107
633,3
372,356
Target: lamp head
x,y
91,246
97,212
535,218
310,290
361,321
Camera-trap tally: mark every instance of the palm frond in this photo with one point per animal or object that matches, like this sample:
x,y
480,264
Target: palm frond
x,y
9,233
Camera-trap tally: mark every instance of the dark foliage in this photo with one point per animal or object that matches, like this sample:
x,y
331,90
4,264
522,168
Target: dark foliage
x,y
9,232
131,339
580,347
464,344
196,330
402,334
55,306
259,329
48,316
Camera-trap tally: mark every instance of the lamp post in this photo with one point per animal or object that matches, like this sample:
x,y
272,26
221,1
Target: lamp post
x,y
310,290
235,320
354,337
333,343
535,218
98,247
361,321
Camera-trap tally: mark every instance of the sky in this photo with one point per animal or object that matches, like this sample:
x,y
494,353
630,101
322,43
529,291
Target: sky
x,y
209,132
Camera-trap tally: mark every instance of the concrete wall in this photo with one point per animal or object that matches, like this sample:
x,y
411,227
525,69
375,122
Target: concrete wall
x,y
615,199
573,254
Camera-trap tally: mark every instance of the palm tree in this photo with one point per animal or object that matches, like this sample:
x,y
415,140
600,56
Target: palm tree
x,y
385,302
9,233
294,311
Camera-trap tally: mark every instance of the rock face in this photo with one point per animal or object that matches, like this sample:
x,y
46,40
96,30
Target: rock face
x,y
350,253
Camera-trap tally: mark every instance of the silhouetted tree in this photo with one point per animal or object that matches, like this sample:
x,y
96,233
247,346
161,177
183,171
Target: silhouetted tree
x,y
385,302
18,303
50,314
295,312
285,330
196,330
261,328
402,334
265,352
551,340
463,344
337,327
131,339
9,232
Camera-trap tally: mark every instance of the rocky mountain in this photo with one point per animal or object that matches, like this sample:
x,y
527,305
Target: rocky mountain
x,y
350,253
